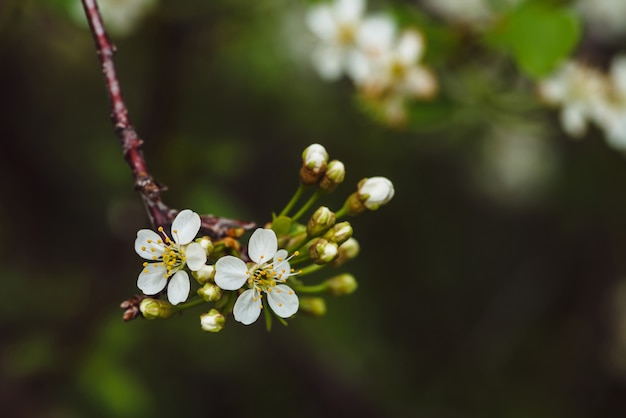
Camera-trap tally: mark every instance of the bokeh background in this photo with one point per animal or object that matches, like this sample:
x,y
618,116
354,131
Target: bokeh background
x,y
491,286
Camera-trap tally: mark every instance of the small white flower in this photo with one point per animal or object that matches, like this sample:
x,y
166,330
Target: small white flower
x,y
269,270
579,91
166,259
611,115
375,192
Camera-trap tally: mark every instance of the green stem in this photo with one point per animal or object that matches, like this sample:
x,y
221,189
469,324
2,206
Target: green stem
x,y
310,269
342,212
307,205
188,305
296,196
311,289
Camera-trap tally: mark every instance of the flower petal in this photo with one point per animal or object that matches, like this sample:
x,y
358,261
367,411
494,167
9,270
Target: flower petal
x,y
178,289
185,227
349,11
281,265
328,62
196,256
152,280
376,34
410,47
262,246
320,21
147,244
247,307
230,273
283,300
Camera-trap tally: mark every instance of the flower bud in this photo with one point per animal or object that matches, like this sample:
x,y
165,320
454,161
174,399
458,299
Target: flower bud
x,y
212,321
207,244
344,284
210,292
375,192
156,308
323,251
339,233
322,219
313,306
333,177
347,251
205,274
314,161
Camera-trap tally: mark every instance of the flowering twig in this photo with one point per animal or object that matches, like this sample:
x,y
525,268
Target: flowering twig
x,y
158,212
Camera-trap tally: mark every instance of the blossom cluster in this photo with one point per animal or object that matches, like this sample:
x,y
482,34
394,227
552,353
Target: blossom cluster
x,y
266,275
587,95
383,63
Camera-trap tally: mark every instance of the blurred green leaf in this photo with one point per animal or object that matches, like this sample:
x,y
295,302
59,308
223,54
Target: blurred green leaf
x,y
538,35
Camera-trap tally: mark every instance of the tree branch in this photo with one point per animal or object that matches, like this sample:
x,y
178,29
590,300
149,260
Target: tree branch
x,y
150,190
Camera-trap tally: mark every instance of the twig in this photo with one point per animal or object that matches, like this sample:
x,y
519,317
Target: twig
x,y
158,212
150,190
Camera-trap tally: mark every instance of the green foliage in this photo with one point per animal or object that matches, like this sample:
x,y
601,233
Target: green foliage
x,y
538,35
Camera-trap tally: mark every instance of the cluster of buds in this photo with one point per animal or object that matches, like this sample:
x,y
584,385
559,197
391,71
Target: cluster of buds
x,y
268,274
383,64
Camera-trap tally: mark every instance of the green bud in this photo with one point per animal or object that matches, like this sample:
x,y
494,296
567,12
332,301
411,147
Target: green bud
x,y
344,284
314,161
207,244
210,292
339,233
333,176
322,219
354,204
205,274
212,321
323,251
156,308
346,252
313,306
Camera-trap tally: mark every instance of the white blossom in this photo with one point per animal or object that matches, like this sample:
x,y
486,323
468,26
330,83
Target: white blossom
x,y
167,257
267,274
581,93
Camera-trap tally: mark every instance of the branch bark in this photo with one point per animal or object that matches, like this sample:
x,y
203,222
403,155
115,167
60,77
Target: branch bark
x,y
150,189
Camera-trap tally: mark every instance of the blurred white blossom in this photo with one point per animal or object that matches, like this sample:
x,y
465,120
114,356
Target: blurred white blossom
x,y
611,116
580,92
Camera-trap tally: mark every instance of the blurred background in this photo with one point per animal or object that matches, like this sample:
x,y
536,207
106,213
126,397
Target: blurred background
x,y
493,285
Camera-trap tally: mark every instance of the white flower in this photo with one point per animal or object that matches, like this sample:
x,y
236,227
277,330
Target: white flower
x,y
611,116
375,192
168,258
397,69
343,33
580,91
270,269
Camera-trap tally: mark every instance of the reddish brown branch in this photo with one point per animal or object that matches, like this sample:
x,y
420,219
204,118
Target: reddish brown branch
x,y
150,190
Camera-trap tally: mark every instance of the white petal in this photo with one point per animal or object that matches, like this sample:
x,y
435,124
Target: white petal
x,y
375,35
230,273
349,11
247,309
153,281
196,256
178,289
410,47
185,227
359,67
262,246
320,21
573,121
328,62
281,265
147,249
283,300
